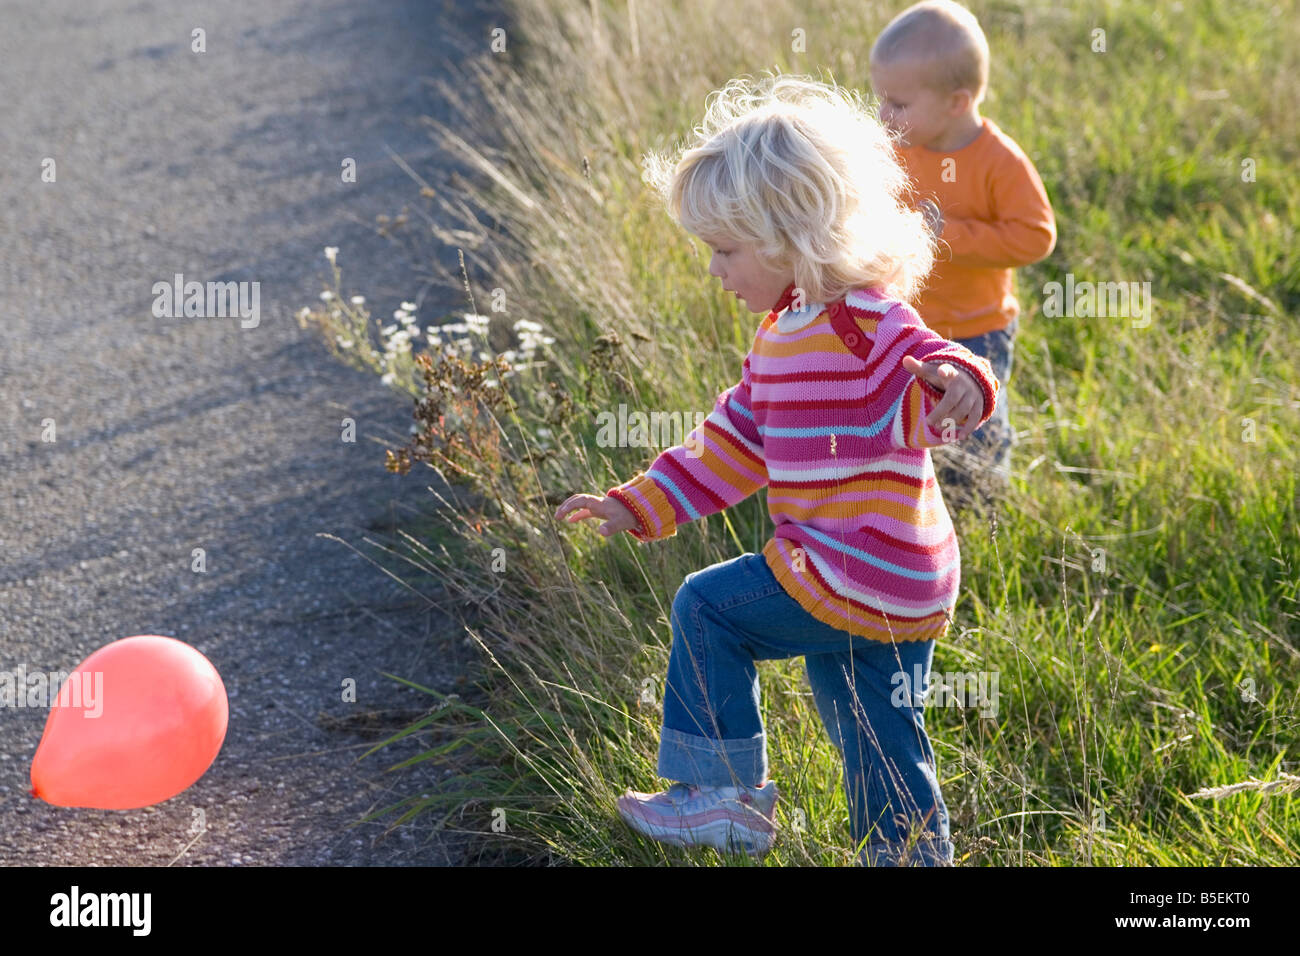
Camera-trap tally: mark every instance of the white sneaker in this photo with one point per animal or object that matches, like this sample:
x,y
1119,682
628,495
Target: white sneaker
x,y
727,818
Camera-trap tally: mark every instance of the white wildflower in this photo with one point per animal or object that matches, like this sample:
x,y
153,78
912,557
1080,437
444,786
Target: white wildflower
x,y
327,295
331,252
358,300
409,306
529,341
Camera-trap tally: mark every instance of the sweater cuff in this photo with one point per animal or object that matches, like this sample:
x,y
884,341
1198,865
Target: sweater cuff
x,y
645,499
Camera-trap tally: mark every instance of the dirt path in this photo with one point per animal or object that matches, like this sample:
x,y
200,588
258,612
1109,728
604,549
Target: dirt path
x,y
174,434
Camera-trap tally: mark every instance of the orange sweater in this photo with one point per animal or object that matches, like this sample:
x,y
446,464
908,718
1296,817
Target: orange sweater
x,y
996,217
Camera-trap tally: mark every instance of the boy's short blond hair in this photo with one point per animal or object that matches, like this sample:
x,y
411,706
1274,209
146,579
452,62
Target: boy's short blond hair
x,y
805,172
946,38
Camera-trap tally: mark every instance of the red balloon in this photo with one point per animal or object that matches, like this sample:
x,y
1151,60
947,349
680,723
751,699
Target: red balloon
x,y
138,722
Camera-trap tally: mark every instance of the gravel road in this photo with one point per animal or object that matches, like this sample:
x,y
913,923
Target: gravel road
x,y
175,434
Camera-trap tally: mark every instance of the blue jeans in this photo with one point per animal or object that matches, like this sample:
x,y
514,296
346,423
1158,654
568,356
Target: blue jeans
x,y
990,444
731,614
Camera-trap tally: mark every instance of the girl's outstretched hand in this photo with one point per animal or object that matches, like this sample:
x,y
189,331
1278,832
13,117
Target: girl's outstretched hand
x,y
963,399
617,516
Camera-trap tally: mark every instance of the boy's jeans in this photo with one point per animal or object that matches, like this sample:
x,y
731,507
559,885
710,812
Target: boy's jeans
x,y
733,613
989,447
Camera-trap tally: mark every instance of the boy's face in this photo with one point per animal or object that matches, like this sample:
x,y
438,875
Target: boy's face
x,y
909,107
740,271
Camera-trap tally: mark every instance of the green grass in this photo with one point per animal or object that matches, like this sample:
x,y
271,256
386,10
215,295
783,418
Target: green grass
x,y
1137,591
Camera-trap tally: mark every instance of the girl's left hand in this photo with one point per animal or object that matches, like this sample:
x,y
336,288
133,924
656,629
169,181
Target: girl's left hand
x,y
963,399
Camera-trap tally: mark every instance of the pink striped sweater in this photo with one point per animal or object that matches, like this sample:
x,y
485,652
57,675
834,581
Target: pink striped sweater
x,y
828,419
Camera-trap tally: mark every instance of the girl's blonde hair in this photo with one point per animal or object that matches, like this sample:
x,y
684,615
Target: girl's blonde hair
x,y
806,174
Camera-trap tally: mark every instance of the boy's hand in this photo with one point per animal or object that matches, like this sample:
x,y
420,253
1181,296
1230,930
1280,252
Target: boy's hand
x,y
617,517
933,217
963,399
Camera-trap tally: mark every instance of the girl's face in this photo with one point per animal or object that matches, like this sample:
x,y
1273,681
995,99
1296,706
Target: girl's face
x,y
735,264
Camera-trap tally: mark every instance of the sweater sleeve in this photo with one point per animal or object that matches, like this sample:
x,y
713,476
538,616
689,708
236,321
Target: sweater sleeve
x,y
908,398
1024,230
718,465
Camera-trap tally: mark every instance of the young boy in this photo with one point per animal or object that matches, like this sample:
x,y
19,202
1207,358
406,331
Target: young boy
x,y
982,196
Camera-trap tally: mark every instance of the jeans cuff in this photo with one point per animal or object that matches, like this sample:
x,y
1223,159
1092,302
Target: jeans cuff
x,y
708,762
934,851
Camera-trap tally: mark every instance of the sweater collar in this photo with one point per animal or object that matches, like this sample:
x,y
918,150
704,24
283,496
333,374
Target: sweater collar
x,y
786,298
